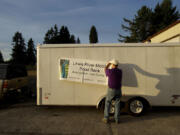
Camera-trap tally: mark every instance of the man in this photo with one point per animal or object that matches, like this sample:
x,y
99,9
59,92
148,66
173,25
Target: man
x,y
114,90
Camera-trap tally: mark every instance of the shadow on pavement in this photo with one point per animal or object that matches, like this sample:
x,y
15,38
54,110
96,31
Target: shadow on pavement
x,y
154,113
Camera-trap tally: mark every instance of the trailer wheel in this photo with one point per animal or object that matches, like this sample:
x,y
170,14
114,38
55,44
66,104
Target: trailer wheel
x,y
112,107
137,106
102,106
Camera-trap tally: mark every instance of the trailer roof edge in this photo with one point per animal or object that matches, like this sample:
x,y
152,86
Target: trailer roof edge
x,y
108,45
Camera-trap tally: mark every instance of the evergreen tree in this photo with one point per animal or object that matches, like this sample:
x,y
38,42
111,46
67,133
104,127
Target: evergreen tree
x,y
164,14
64,35
55,36
93,36
1,58
78,41
147,22
72,39
51,35
19,49
56,33
31,53
140,27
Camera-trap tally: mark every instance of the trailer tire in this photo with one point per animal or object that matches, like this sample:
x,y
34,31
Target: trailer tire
x,y
137,106
101,106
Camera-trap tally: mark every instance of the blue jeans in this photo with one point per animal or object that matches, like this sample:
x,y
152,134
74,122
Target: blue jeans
x,y
112,94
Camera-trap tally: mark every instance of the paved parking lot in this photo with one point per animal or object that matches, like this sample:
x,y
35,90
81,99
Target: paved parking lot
x,y
25,118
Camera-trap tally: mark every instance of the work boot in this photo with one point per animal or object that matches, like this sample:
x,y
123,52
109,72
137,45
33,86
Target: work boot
x,y
105,120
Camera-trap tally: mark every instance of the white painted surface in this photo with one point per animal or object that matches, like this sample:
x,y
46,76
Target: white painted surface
x,y
151,71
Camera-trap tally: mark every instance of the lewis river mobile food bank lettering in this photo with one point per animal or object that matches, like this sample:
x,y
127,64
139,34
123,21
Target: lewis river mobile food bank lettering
x,y
83,71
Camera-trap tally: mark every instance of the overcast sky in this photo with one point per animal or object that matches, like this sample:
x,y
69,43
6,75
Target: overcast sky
x,y
34,17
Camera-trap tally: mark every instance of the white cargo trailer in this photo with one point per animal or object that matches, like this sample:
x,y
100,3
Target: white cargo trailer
x,y
151,74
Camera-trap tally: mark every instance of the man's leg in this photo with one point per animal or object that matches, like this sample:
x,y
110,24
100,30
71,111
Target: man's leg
x,y
108,100
107,108
117,110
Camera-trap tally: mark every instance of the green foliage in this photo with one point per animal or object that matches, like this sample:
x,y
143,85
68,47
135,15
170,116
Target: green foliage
x,y
78,41
1,58
164,15
93,36
62,36
31,53
72,39
147,21
19,49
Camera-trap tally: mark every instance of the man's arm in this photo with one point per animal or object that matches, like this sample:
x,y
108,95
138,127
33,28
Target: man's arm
x,y
107,66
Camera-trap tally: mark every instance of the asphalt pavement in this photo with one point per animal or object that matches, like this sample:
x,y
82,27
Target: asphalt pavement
x,y
25,118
